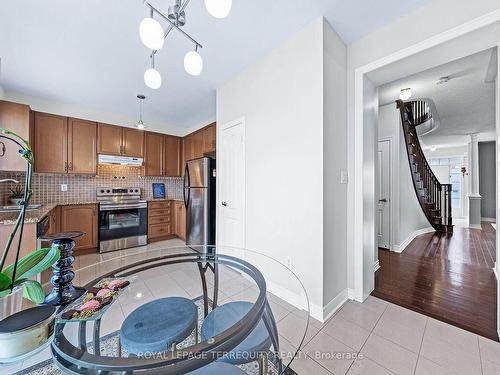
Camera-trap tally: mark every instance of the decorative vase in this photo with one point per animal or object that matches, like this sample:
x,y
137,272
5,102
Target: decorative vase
x,y
11,304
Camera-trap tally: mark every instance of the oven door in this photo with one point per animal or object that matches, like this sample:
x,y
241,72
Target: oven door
x,y
121,227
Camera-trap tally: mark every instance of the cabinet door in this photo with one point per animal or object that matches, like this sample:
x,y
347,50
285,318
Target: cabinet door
x,y
197,145
209,139
109,139
81,218
188,148
14,117
82,142
182,221
51,146
133,142
172,153
153,160
54,221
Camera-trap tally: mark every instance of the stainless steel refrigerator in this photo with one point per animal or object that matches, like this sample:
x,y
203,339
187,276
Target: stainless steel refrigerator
x,y
199,198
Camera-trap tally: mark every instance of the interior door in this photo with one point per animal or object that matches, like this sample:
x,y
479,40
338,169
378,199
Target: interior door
x,y
231,185
384,193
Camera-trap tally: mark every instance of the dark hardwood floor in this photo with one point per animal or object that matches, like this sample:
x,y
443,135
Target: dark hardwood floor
x,y
447,277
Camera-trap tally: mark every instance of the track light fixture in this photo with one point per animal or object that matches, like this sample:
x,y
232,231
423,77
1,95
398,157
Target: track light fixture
x,y
153,35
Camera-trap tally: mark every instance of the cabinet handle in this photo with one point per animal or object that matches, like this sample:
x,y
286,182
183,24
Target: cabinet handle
x,y
2,148
65,166
70,166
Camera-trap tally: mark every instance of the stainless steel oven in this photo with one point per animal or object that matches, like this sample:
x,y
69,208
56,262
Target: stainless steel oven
x,y
123,219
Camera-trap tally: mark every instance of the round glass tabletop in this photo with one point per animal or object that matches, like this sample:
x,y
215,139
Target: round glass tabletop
x,y
186,310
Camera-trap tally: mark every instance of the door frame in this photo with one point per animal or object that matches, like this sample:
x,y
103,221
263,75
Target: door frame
x,y
392,189
357,240
220,128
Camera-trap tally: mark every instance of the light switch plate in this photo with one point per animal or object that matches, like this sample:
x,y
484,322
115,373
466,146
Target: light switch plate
x,y
64,187
344,177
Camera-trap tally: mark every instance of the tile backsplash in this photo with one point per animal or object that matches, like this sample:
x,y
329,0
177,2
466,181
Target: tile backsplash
x,y
82,188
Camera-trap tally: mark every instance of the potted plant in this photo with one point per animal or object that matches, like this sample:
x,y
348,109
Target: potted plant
x,y
16,279
16,195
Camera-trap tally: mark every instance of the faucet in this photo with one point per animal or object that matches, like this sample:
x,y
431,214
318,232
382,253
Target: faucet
x,y
9,180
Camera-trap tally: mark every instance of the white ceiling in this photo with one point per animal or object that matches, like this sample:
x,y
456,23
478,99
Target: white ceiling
x,y
465,104
88,52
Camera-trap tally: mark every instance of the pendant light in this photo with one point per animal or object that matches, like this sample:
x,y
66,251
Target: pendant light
x,y
140,124
193,62
151,33
152,77
405,94
218,8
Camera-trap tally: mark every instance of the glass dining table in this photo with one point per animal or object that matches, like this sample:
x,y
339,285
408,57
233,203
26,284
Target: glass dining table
x,y
246,313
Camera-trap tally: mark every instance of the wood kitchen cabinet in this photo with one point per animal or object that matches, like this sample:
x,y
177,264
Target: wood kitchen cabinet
x,y
159,220
17,118
199,143
63,145
82,142
172,150
179,219
209,139
116,140
81,218
54,220
153,161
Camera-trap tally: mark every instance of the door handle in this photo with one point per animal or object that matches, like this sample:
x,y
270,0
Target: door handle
x,y
383,200
224,204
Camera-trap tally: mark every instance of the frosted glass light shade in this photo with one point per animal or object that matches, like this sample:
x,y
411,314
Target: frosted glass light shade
x,y
218,8
193,63
152,78
405,94
151,33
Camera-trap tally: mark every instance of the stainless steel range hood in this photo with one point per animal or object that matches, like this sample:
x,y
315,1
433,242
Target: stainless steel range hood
x,y
120,160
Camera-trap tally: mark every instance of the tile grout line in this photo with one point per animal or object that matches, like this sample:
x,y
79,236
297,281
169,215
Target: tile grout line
x,y
421,344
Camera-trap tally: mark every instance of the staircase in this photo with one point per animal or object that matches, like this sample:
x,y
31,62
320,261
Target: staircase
x,y
434,197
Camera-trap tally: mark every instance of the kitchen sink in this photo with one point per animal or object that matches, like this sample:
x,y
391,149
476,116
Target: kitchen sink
x,y
4,209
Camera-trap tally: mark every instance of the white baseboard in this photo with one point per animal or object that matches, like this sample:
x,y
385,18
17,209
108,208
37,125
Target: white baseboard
x,y
335,304
405,243
475,226
489,219
377,265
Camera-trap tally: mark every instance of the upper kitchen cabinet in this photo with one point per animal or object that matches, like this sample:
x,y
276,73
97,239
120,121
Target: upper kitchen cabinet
x,y
82,142
209,138
51,143
172,150
64,145
153,161
116,140
17,118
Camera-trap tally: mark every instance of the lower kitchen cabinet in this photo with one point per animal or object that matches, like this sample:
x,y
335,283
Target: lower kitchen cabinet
x,y
82,218
54,220
179,219
159,221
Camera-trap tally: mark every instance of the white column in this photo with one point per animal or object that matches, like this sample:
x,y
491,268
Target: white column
x,y
474,197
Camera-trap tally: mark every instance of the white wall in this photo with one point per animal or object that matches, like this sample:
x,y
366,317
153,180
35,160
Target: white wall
x,y
2,92
72,110
281,99
392,38
293,101
408,217
335,161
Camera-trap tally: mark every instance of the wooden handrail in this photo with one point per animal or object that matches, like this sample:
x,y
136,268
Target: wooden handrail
x,y
434,197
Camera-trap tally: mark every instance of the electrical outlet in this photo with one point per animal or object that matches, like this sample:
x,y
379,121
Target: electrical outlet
x,y
288,262
64,187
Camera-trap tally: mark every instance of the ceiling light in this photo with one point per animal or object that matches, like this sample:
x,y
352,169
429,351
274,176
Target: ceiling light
x,y
405,94
218,8
152,78
140,124
193,63
151,33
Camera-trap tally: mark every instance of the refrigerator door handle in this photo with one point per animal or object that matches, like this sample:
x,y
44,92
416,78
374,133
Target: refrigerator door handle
x,y
186,186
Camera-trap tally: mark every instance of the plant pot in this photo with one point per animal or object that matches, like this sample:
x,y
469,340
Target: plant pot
x,y
16,201
11,304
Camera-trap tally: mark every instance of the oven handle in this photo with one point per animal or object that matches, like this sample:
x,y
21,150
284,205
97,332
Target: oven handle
x,y
122,207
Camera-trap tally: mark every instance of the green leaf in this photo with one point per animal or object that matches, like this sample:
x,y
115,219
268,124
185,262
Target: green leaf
x,y
34,263
5,281
33,291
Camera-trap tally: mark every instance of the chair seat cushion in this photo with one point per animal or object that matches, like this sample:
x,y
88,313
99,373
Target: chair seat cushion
x,y
218,368
155,326
224,317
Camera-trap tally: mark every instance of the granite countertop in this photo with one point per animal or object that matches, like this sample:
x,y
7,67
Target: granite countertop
x,y
35,216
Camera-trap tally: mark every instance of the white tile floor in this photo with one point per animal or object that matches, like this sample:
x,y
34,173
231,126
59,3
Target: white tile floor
x,y
384,338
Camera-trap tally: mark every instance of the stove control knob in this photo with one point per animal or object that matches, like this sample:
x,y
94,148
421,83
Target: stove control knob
x,y
136,190
108,191
102,191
